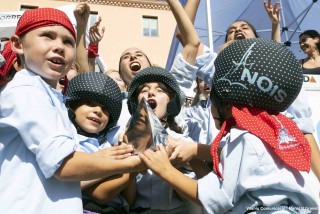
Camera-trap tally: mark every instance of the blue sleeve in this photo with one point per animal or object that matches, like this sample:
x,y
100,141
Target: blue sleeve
x,y
46,131
205,64
184,73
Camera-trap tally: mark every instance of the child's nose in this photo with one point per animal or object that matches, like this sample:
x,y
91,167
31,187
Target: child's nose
x,y
97,110
59,47
151,93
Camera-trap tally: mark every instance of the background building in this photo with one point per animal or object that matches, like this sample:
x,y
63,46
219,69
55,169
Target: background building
x,y
146,24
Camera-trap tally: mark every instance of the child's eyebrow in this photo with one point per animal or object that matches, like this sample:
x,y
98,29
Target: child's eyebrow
x,y
54,32
146,86
47,30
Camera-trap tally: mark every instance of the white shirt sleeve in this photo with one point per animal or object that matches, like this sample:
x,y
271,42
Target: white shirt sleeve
x,y
184,73
44,130
300,113
205,64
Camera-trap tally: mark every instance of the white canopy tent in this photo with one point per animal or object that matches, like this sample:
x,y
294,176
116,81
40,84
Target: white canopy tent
x,y
214,17
296,16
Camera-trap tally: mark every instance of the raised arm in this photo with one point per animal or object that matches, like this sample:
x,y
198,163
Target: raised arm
x,y
191,10
96,34
82,13
187,32
274,16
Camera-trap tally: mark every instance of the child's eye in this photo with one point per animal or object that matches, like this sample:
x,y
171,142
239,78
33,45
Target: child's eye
x,y
69,42
48,35
144,91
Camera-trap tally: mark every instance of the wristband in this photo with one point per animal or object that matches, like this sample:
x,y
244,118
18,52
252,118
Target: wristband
x,y
93,50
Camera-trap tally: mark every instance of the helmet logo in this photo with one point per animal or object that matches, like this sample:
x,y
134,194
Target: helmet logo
x,y
264,83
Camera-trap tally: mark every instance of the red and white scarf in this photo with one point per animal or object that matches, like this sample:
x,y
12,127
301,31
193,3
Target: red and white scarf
x,y
275,130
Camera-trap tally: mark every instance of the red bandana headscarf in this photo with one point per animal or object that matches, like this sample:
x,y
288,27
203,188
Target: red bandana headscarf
x,y
9,56
276,131
42,17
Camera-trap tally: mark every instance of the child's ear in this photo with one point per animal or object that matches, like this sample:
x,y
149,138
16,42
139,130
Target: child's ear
x,y
16,44
16,64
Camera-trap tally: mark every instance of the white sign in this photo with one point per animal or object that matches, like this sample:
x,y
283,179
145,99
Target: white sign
x,y
312,87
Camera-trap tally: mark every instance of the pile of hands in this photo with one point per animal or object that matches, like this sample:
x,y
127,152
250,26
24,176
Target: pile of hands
x,y
175,154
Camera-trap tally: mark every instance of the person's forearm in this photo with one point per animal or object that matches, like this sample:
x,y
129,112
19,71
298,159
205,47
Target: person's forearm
x,y
191,10
81,166
182,184
203,152
188,32
86,184
276,35
81,50
130,191
92,64
200,168
107,189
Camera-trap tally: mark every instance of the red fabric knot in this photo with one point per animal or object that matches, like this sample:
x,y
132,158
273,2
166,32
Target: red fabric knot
x,y
277,132
93,50
9,56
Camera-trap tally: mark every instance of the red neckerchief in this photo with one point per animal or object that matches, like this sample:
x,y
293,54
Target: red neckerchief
x,y
65,85
276,131
9,56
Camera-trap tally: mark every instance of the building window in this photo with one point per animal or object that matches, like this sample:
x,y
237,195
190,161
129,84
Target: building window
x,y
150,26
27,7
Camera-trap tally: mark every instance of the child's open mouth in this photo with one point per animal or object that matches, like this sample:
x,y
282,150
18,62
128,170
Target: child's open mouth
x,y
152,103
95,120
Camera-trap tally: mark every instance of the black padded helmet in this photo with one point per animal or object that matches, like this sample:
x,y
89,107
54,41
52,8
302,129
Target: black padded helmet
x,y
97,87
156,74
256,72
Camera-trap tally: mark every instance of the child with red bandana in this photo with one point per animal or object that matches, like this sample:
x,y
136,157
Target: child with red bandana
x,y
40,165
263,160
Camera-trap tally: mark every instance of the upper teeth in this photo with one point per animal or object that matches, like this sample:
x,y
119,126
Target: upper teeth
x,y
95,120
57,61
